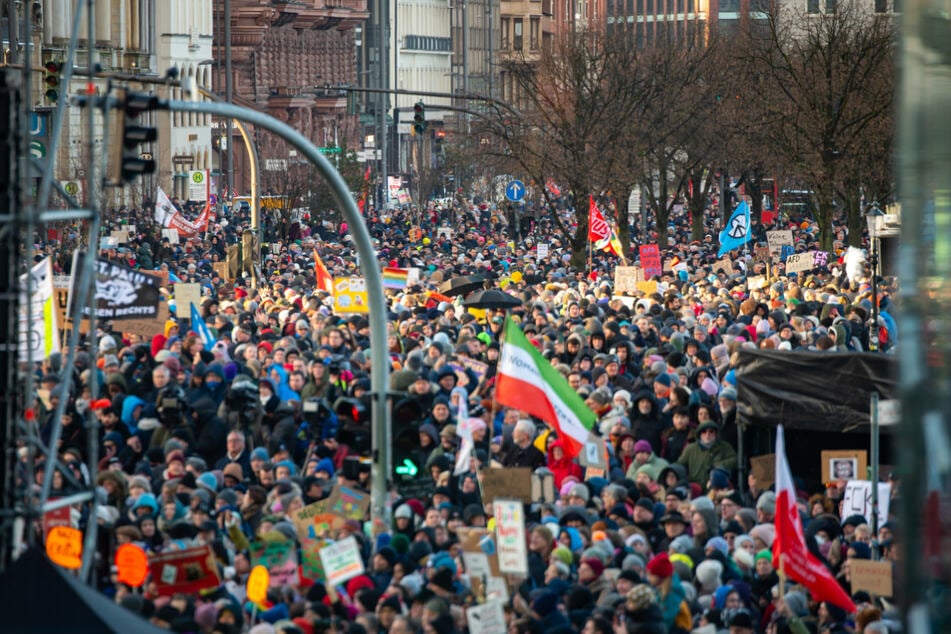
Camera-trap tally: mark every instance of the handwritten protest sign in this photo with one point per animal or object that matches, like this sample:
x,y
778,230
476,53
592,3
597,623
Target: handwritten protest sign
x,y
858,500
764,469
316,519
510,536
650,261
488,618
798,262
349,503
342,561
626,278
776,240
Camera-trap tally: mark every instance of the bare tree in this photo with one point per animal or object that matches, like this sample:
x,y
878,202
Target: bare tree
x,y
821,85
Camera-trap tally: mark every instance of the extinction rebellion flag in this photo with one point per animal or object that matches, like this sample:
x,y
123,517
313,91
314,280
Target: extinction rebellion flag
x,y
121,292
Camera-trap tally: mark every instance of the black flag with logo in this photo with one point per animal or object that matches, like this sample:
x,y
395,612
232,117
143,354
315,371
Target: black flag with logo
x,y
121,292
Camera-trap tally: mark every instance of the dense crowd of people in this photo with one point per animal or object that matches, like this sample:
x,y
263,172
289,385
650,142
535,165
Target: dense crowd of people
x,y
215,444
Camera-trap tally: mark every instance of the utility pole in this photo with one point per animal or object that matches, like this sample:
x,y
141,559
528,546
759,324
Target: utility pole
x,y
229,96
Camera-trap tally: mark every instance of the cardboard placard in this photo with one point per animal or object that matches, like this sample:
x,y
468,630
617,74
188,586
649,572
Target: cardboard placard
x,y
761,254
221,268
479,367
478,554
171,234
185,296
316,520
542,250
764,469
875,577
777,239
510,537
798,262
543,488
349,503
723,264
514,483
342,561
847,464
626,278
755,282
350,295
648,287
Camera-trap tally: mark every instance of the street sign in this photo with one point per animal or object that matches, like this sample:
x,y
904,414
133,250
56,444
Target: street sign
x,y
38,124
37,149
515,191
329,150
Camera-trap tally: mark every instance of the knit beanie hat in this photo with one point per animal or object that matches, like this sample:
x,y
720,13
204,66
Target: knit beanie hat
x,y
660,566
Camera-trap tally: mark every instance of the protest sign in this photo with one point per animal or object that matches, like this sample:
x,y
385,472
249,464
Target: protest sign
x,y
849,464
316,519
478,552
478,367
593,453
755,282
280,559
350,295
648,287
875,577
311,565
858,500
725,265
122,293
626,278
488,618
64,546
342,561
513,482
798,262
185,296
542,250
776,240
510,536
184,571
650,261
764,470
349,503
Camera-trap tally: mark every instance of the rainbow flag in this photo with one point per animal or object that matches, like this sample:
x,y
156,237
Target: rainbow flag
x,y
395,278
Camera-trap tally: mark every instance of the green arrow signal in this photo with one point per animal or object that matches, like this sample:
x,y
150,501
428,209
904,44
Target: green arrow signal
x,y
407,468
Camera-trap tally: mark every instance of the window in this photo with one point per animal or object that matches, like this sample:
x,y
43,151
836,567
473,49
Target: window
x,y
536,26
812,6
881,6
830,6
506,24
517,34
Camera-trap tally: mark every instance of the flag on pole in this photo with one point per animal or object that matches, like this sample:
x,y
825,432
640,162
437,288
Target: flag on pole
x,y
164,209
737,231
600,232
201,328
790,554
527,381
324,281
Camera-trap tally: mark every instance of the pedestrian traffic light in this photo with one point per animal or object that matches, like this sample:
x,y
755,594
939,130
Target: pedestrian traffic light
x,y
53,80
127,161
419,117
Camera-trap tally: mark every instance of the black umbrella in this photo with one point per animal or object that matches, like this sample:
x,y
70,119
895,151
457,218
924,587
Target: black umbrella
x,y
492,298
462,285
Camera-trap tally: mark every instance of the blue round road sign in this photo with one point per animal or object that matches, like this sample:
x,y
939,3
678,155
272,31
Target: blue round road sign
x,y
515,191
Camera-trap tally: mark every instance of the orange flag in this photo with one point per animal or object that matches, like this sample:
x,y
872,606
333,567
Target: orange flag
x,y
324,281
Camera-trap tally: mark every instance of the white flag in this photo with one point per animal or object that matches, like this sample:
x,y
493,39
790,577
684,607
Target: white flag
x,y
164,209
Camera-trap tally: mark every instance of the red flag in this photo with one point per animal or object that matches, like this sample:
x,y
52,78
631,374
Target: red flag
x,y
789,547
324,281
598,228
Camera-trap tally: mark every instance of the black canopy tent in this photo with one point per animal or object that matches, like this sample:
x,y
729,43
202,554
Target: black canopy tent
x,y
821,398
38,597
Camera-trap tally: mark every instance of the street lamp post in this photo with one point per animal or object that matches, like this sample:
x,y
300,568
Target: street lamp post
x,y
874,217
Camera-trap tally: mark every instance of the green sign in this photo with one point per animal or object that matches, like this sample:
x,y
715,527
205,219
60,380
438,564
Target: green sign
x,y
329,150
407,468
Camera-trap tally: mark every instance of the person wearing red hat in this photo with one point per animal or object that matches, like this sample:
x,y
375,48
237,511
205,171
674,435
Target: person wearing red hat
x,y
591,575
670,593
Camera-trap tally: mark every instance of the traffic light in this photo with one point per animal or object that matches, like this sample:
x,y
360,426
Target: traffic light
x,y
127,161
53,80
419,117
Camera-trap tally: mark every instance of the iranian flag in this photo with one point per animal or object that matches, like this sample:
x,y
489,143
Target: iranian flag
x,y
789,548
526,381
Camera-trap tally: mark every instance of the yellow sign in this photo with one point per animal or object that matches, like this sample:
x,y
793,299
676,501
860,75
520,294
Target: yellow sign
x,y
350,295
64,546
258,582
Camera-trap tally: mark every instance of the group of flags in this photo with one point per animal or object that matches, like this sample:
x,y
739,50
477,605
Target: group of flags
x,y
528,382
601,233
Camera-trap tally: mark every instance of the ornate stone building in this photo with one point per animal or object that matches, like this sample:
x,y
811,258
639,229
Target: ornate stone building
x,y
283,54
